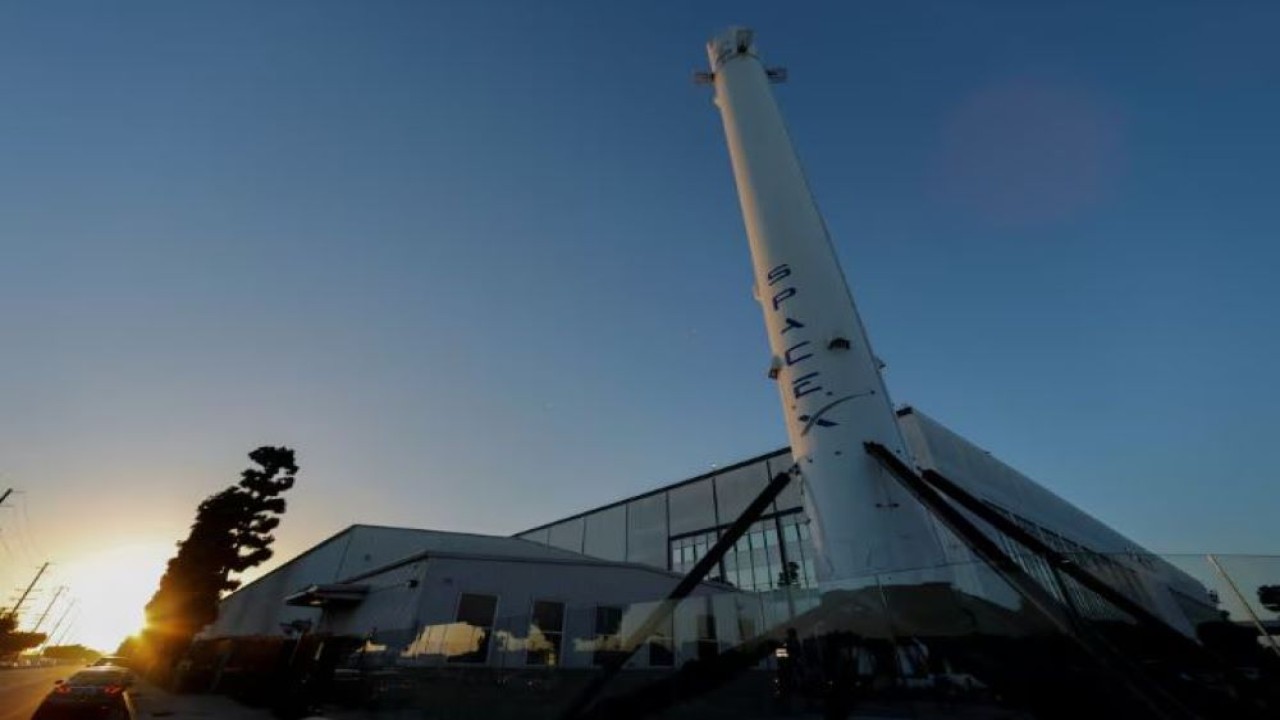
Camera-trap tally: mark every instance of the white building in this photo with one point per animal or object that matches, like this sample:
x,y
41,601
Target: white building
x,y
564,593
458,598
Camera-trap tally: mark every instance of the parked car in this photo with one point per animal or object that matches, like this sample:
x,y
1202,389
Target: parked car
x,y
93,693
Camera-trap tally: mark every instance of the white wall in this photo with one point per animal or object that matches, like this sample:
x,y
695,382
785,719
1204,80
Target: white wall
x,y
258,608
407,624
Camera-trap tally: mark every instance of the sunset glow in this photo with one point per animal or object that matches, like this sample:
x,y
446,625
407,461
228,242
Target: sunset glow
x,y
114,585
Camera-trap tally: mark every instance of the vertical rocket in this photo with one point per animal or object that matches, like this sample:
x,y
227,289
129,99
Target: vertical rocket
x,y
833,396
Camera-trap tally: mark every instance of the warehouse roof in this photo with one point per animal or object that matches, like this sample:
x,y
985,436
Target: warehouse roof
x,y
401,542
442,542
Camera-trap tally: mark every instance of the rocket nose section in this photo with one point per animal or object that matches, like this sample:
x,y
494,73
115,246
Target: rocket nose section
x,y
731,43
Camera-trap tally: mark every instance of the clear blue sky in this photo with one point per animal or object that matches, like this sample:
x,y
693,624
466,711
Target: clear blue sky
x,y
483,264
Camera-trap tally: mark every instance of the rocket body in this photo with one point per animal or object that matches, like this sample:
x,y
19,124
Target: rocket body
x,y
829,382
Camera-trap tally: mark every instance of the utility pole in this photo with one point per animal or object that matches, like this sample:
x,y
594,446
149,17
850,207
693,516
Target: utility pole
x,y
57,594
1235,590
4,544
18,606
65,612
65,632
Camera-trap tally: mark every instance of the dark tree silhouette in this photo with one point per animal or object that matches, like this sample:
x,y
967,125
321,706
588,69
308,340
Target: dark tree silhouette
x,y
1269,596
790,575
12,641
75,653
231,533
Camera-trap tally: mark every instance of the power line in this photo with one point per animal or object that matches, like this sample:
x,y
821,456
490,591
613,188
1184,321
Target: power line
x,y
65,612
22,519
7,550
67,629
18,606
26,525
57,594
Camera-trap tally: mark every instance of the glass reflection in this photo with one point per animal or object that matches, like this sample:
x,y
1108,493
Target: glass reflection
x,y
467,639
647,530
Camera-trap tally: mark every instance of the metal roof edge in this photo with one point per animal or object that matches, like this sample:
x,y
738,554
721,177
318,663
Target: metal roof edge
x,y
655,491
289,562
584,560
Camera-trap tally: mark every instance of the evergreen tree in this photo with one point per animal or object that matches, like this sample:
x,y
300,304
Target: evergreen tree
x,y
12,641
231,533
74,653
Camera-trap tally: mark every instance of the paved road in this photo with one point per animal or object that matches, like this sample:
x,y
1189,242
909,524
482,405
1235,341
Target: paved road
x,y
22,690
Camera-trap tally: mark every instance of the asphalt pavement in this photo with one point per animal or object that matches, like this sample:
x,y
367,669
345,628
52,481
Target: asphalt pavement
x,y
22,690
152,703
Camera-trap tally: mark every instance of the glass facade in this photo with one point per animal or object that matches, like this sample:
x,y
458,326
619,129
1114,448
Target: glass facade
x,y
692,507
674,527
791,497
688,550
774,553
797,548
1080,599
908,644
568,535
647,530
735,489
606,534
965,638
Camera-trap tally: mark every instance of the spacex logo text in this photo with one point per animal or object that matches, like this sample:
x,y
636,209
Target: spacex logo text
x,y
798,350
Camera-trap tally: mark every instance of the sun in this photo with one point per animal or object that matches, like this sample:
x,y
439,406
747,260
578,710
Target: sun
x,y
113,586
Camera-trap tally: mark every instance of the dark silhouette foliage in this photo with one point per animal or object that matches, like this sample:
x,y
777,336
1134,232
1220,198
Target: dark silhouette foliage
x,y
1269,596
231,533
12,641
74,653
790,576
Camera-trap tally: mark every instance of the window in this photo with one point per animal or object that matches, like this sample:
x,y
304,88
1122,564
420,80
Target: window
x,y
790,497
568,535
606,534
708,646
660,648
736,489
798,549
688,550
608,642
546,632
467,639
647,530
692,507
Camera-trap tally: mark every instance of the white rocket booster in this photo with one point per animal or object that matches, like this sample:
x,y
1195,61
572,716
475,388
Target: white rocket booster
x,y
829,380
